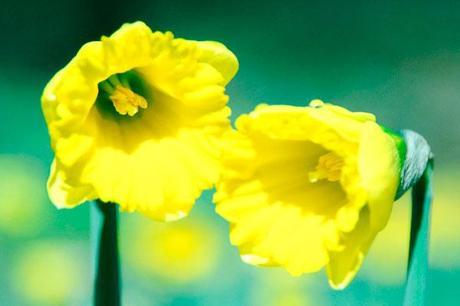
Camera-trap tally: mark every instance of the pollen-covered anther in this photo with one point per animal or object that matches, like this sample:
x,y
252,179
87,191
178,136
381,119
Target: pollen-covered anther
x,y
126,101
329,167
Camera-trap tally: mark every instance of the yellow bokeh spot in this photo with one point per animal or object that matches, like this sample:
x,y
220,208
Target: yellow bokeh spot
x,y
179,244
180,252
290,299
276,288
22,194
445,236
48,274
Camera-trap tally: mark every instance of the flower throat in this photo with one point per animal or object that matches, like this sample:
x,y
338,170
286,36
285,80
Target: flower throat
x,y
124,99
329,167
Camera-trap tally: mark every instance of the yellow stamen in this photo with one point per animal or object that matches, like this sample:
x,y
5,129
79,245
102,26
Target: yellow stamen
x,y
329,167
126,101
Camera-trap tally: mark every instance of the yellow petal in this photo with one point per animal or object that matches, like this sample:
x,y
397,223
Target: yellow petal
x,y
64,195
344,264
379,168
218,56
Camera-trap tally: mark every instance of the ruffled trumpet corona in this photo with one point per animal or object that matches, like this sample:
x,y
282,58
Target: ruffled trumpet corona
x,y
136,119
308,187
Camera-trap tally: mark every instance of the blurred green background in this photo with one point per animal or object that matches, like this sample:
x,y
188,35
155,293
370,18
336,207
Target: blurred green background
x,y
396,59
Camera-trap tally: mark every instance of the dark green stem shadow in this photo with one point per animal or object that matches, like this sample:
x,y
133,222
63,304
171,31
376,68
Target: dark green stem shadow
x,y
417,267
105,249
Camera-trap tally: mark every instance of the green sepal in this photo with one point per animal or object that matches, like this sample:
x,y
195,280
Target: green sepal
x,y
417,155
414,154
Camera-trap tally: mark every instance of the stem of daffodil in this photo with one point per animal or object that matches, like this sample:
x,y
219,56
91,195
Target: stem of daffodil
x,y
105,265
417,267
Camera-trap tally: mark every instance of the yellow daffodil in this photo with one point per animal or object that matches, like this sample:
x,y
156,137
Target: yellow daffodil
x,y
307,187
136,119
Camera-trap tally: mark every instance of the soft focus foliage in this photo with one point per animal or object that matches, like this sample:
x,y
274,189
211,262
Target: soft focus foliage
x,y
47,273
22,193
445,241
398,60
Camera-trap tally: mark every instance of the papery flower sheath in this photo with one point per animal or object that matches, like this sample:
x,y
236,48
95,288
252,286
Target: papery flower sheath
x,y
136,119
308,187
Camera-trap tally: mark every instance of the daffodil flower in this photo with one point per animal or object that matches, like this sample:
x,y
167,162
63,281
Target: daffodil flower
x,y
136,119
308,187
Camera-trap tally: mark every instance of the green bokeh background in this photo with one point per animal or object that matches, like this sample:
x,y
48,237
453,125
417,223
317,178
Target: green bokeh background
x,y
400,61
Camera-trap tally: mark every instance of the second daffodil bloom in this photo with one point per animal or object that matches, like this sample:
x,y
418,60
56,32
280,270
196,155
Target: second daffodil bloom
x,y
307,187
136,119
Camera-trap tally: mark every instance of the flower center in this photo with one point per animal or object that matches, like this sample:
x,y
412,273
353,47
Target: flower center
x,y
329,167
124,99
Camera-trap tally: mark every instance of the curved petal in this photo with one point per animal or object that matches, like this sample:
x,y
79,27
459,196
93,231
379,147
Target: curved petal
x,y
345,263
218,56
379,167
64,195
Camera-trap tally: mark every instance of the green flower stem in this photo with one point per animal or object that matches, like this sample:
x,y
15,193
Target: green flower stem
x,y
105,264
417,267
